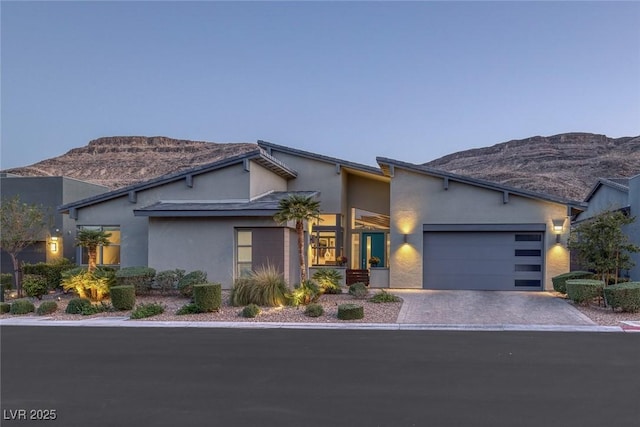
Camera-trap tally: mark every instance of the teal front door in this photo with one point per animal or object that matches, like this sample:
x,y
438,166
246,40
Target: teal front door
x,y
372,244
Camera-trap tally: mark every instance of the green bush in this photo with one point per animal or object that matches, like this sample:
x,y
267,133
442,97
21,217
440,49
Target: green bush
x,y
4,307
583,291
350,312
141,278
168,280
304,293
34,285
78,305
250,311
624,295
185,285
359,290
207,297
22,306
265,287
51,271
190,308
47,307
123,297
328,280
314,310
85,284
6,281
384,296
560,282
147,310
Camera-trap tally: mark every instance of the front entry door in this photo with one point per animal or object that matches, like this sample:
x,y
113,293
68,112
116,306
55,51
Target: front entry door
x,y
372,244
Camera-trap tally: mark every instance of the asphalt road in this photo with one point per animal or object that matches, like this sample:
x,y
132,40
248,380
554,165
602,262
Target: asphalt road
x,y
287,377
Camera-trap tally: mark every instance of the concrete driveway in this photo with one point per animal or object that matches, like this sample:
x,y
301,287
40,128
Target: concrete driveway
x,y
437,307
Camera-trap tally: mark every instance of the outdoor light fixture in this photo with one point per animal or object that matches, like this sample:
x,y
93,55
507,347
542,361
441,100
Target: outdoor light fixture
x,y
404,236
558,228
53,244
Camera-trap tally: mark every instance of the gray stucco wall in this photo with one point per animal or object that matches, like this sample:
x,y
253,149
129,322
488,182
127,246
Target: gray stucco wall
x,y
604,199
418,199
634,229
262,181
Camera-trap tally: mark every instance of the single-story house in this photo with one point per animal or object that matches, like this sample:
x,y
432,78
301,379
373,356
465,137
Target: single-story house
x,y
429,228
613,194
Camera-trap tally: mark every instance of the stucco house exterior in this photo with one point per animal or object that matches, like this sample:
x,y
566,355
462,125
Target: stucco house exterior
x,y
613,194
430,229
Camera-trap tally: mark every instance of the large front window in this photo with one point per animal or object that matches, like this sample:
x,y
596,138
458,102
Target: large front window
x,y
107,255
244,248
326,239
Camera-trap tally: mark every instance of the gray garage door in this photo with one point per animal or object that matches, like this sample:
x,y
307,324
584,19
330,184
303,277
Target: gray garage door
x,y
483,260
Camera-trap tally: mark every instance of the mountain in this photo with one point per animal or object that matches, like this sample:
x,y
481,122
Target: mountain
x,y
119,161
566,165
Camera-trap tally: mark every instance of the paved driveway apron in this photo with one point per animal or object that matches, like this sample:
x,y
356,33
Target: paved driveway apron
x,y
436,307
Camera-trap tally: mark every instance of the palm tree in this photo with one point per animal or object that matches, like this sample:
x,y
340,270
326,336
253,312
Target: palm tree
x,y
298,208
91,239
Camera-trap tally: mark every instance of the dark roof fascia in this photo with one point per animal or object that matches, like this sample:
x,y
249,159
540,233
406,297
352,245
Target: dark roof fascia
x,y
386,162
608,183
259,155
211,213
327,159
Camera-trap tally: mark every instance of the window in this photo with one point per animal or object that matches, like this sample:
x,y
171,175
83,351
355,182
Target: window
x,y
326,239
528,283
365,220
107,255
528,237
243,253
528,252
528,267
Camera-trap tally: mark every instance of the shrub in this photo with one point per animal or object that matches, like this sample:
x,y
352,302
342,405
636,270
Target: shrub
x,y
314,310
86,284
358,290
47,307
51,271
147,310
22,306
78,305
141,278
34,285
304,293
123,297
265,287
560,282
6,281
4,307
190,308
207,297
384,296
328,280
624,295
251,311
350,312
185,285
168,280
583,291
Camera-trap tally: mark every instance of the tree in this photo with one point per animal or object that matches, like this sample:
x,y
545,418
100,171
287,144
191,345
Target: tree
x,y
298,208
22,225
602,245
91,239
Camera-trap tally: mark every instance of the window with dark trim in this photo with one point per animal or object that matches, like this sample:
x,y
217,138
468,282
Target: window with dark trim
x,y
244,248
107,255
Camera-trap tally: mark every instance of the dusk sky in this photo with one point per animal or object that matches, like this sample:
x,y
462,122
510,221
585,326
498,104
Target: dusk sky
x,y
355,80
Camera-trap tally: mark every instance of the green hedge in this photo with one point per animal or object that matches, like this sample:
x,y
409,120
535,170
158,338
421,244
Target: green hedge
x,y
141,278
624,295
4,307
123,297
47,307
350,312
51,271
582,291
185,285
6,281
34,285
78,306
560,282
314,310
22,306
207,297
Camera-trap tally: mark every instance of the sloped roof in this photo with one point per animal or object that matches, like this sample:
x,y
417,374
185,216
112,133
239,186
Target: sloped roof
x,y
620,184
259,156
266,205
387,165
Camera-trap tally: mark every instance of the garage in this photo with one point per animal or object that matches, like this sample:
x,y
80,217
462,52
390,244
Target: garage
x,y
502,260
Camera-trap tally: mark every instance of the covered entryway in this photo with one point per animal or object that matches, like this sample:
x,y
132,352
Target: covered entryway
x,y
483,260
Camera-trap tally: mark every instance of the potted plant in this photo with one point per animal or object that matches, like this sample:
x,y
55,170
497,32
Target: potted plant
x,y
374,261
341,260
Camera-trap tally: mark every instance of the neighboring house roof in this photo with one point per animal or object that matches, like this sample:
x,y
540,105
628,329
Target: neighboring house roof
x,y
620,184
268,146
266,205
388,165
259,156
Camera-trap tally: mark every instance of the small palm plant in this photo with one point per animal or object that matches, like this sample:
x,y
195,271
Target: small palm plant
x,y
91,239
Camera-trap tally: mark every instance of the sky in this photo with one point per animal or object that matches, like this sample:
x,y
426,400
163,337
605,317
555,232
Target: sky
x,y
412,81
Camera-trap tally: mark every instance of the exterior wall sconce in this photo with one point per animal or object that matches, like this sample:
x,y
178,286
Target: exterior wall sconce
x,y
53,244
558,228
404,238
